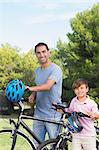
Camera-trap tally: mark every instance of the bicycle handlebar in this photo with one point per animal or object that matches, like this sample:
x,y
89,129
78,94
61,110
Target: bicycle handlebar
x,y
82,114
62,107
59,106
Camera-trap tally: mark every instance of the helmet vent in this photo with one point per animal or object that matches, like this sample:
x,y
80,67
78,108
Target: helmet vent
x,y
14,100
18,96
12,93
13,86
20,85
16,87
9,94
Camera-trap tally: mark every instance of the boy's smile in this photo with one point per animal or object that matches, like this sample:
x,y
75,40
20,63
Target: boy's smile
x,y
81,91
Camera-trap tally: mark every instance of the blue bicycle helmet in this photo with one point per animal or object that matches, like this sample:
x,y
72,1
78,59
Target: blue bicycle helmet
x,y
74,124
15,90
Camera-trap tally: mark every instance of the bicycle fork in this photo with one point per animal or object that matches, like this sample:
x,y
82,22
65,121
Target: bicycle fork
x,y
14,133
14,137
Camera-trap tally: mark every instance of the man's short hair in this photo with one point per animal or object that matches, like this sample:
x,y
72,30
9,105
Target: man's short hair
x,y
41,44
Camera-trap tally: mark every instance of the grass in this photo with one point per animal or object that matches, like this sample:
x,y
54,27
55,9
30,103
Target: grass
x,y
4,124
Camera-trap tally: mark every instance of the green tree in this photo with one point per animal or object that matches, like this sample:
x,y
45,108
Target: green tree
x,y
80,56
10,64
14,65
29,64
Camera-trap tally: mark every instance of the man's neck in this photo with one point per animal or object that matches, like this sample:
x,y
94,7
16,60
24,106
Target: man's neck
x,y
45,65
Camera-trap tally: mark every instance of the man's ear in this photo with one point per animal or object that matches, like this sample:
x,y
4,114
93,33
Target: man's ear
x,y
49,53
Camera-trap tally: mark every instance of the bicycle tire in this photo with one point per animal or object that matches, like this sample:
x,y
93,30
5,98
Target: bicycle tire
x,y
50,144
46,144
97,144
97,138
22,142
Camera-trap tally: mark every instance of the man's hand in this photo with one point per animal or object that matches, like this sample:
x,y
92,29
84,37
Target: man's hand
x,y
26,87
31,98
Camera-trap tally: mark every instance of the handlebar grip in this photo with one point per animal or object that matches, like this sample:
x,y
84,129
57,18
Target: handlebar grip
x,y
62,107
83,115
26,90
59,106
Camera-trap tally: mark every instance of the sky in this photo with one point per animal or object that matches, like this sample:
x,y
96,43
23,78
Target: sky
x,y
24,23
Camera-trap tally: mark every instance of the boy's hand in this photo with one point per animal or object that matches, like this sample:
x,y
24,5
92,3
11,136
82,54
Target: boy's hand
x,y
92,115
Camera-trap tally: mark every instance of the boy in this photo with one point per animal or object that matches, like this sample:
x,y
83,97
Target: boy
x,y
82,103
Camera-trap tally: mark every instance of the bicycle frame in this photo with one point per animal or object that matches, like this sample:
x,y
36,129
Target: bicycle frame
x,y
25,126
65,135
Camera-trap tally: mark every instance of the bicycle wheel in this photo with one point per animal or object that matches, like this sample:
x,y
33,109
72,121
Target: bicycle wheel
x,y
97,138
22,141
97,144
51,144
48,145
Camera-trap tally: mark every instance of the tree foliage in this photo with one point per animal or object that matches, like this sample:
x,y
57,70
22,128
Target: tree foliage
x,y
10,64
13,65
29,64
81,55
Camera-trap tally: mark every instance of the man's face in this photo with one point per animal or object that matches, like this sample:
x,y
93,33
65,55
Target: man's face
x,y
42,54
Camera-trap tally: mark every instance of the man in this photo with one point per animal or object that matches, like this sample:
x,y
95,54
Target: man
x,y
48,89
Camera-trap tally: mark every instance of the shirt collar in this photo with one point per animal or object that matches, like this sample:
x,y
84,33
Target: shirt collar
x,y
84,102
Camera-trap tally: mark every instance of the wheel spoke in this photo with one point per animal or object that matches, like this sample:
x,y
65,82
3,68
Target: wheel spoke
x,y
6,141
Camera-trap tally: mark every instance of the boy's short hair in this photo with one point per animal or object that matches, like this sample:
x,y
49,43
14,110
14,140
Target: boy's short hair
x,y
41,44
77,83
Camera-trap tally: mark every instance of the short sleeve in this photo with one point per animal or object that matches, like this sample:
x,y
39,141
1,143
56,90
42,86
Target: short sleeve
x,y
95,107
56,74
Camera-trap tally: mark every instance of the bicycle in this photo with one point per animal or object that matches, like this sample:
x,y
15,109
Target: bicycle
x,y
15,139
61,142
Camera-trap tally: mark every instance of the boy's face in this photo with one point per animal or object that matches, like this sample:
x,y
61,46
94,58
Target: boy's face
x,y
81,91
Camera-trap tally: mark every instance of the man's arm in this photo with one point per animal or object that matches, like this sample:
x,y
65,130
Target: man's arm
x,y
44,87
